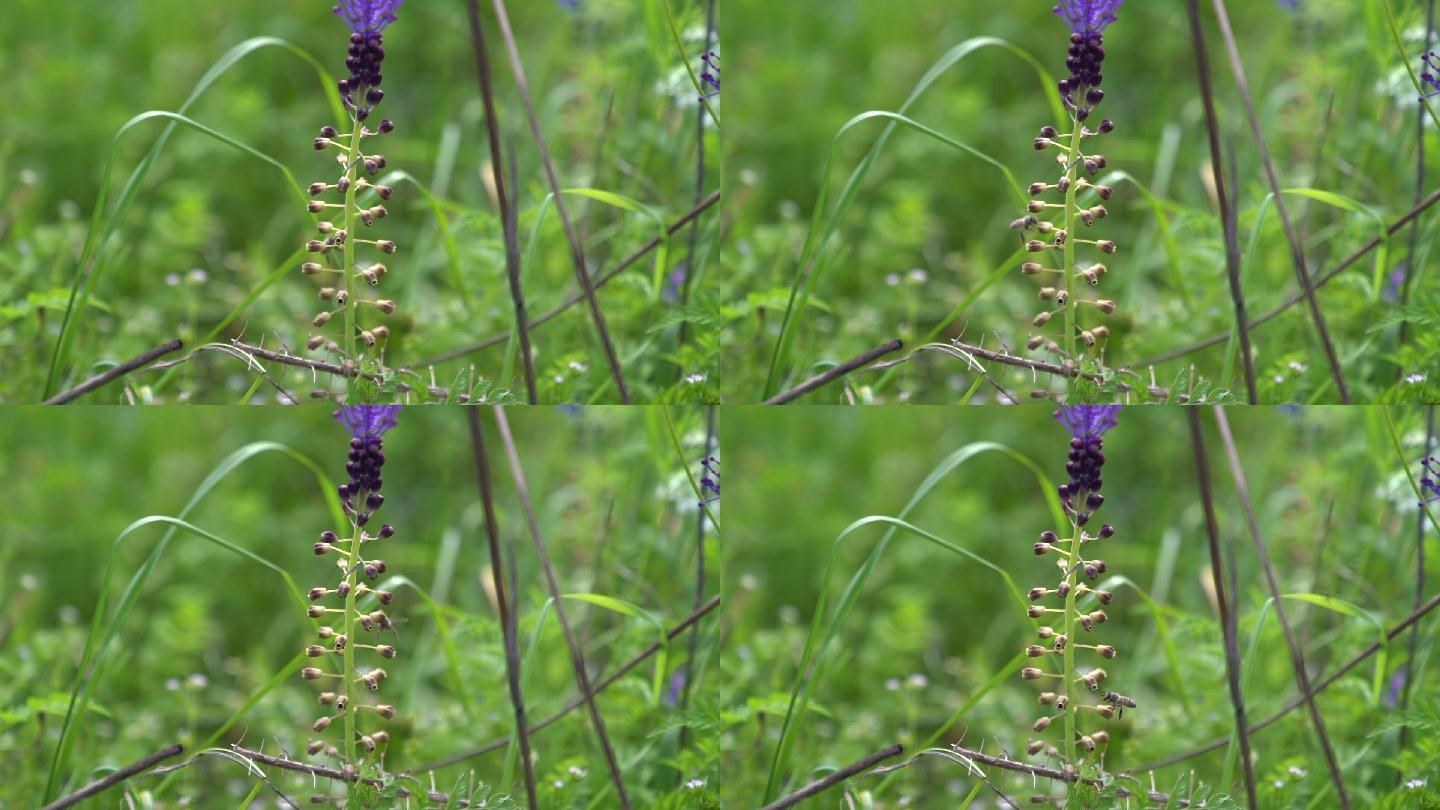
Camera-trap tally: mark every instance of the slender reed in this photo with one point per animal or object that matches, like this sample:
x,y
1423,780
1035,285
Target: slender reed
x,y
367,20
1297,657
1228,221
577,656
106,377
828,376
1081,498
1419,578
699,564
829,781
577,251
111,780
508,626
1297,251
1412,256
1227,617
509,223
701,113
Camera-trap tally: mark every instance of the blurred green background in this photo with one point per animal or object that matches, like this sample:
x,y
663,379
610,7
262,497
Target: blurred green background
x,y
931,628
211,628
211,224
929,224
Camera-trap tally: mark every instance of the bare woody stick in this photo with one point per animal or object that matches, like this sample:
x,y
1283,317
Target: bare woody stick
x,y
1059,776
1227,618
115,778
823,379
333,773
577,252
577,657
577,702
835,778
66,397
1052,368
507,618
509,223
1297,658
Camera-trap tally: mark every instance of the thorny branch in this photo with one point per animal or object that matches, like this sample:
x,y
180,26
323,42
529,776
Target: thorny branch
x,y
1059,776
829,376
66,397
115,778
835,778
1052,368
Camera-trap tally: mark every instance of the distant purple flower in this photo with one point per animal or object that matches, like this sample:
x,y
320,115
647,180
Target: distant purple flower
x,y
1087,422
368,16
1431,74
1397,686
710,480
710,76
368,421
1088,16
1430,480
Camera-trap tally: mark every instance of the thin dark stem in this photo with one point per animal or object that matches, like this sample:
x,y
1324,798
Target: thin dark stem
x,y
508,220
600,281
1055,774
576,702
1419,582
337,370
835,778
699,580
1419,189
1297,658
1297,252
577,656
1295,703
1227,618
66,397
827,377
577,252
1044,367
115,778
1294,298
700,114
1227,215
507,618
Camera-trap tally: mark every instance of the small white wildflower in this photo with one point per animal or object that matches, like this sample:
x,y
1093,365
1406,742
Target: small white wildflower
x,y
577,367
172,684
749,582
918,276
1279,783
1296,771
197,276
173,279
892,280
577,771
559,784
197,681
1415,378
1297,366
917,681
695,379
892,684
559,379
695,784
1415,784
1279,379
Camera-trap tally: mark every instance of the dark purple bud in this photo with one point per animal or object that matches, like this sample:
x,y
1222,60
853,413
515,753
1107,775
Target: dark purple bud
x,y
387,530
387,126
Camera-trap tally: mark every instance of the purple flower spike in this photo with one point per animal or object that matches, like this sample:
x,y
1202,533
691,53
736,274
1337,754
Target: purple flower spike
x,y
1088,16
367,16
368,421
1088,421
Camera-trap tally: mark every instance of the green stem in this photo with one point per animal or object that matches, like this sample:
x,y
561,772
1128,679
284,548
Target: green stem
x,y
1069,669
349,675
1070,192
354,160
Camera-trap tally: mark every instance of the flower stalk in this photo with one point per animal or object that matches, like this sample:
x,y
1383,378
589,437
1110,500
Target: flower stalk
x,y
1081,497
361,497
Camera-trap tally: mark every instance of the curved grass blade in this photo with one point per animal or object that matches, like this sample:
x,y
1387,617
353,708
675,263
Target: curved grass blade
x,y
90,267
85,686
815,648
61,759
132,185
1162,223
816,241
